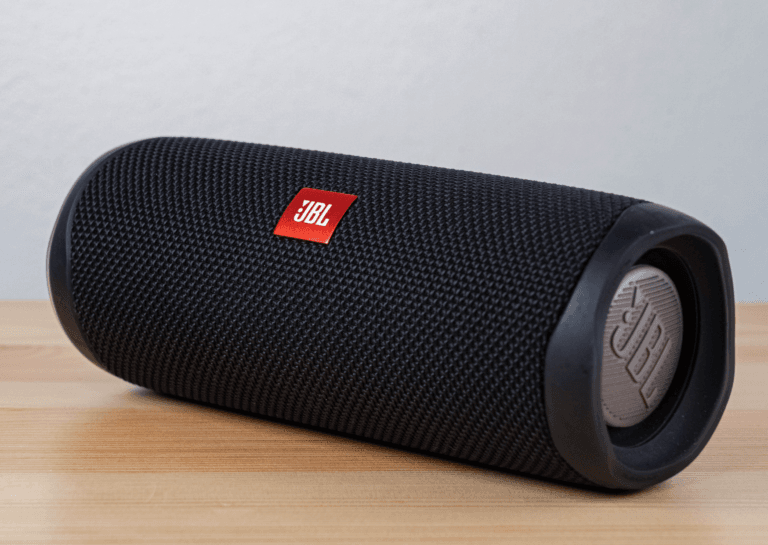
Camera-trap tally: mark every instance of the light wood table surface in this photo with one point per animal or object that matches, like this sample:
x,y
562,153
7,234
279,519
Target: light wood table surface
x,y
88,458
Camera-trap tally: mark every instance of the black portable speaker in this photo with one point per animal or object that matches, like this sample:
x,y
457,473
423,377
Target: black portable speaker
x,y
560,332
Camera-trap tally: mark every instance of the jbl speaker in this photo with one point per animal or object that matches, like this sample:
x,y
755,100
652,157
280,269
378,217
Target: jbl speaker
x,y
560,332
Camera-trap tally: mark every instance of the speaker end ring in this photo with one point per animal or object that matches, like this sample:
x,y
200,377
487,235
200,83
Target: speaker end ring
x,y
59,263
573,361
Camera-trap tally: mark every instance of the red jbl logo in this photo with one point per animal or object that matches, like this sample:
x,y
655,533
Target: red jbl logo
x,y
313,214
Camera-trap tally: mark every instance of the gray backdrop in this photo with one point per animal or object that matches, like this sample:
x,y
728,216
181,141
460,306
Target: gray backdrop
x,y
666,101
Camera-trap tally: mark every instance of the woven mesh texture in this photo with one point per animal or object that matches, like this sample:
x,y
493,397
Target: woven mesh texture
x,y
424,323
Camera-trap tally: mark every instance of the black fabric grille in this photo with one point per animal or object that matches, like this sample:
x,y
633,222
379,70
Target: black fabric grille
x,y
424,323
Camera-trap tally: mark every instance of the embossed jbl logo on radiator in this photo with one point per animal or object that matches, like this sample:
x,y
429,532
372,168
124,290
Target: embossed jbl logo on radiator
x,y
313,214
642,342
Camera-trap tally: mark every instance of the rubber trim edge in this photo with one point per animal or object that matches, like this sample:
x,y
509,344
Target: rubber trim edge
x,y
572,362
58,259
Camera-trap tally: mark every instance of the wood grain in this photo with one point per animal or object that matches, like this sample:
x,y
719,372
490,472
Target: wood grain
x,y
88,458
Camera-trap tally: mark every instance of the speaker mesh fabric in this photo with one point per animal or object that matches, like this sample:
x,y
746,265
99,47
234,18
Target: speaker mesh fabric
x,y
424,323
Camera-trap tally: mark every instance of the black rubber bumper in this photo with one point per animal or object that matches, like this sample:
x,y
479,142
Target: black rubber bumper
x,y
59,268
695,258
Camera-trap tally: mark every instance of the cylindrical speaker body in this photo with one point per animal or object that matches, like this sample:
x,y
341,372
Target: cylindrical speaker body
x,y
455,313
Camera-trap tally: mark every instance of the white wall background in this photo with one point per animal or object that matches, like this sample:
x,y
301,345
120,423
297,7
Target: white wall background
x,y
666,101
